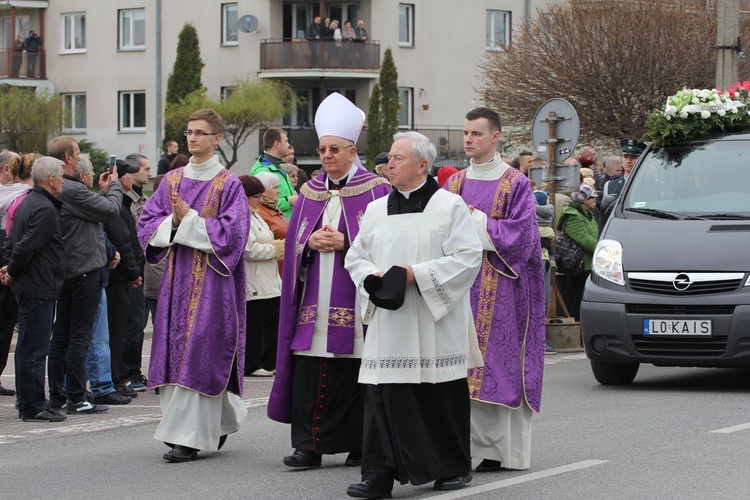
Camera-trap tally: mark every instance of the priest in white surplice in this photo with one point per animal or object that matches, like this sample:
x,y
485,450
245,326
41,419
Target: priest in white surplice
x,y
414,261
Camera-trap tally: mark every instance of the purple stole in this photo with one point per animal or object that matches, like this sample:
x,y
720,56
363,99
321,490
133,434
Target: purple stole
x,y
298,312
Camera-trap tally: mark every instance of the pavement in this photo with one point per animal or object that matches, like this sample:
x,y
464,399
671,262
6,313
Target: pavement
x,y
143,409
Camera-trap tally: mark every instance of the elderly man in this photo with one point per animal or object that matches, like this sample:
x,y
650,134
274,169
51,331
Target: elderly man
x,y
320,331
35,272
199,221
414,261
507,299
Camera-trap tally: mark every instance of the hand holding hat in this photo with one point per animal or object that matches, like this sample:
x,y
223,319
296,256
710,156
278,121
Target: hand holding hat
x,y
387,291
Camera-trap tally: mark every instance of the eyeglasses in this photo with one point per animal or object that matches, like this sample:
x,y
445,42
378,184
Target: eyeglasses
x,y
197,133
321,150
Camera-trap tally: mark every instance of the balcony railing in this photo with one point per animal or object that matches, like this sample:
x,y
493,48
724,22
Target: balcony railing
x,y
23,64
320,54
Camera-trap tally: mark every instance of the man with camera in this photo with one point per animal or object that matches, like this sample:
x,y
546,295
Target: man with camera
x,y
33,46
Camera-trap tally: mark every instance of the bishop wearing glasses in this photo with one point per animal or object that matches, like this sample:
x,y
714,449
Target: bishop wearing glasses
x,y
320,329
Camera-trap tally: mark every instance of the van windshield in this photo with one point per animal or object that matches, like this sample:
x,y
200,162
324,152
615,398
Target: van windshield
x,y
700,179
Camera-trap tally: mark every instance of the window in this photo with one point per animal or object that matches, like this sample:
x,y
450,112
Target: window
x,y
133,29
301,112
133,111
74,32
405,107
23,25
229,24
498,29
74,112
406,25
226,92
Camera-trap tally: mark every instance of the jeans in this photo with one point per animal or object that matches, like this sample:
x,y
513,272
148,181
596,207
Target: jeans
x,y
71,336
35,327
98,366
131,364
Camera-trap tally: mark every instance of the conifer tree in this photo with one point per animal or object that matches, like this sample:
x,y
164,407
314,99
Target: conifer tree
x,y
183,81
373,127
383,118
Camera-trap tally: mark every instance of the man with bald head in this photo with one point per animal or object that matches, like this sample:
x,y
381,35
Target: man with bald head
x,y
320,331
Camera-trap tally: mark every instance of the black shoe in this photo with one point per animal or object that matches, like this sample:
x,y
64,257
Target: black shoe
x,y
222,440
367,489
56,404
126,391
6,392
353,460
453,483
137,383
303,459
181,454
48,415
84,407
113,398
488,465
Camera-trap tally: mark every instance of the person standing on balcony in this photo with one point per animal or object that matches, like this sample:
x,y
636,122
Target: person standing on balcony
x,y
275,147
347,33
33,47
360,32
315,31
18,48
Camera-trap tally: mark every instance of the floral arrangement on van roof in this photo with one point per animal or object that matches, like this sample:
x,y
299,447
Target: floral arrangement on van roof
x,y
692,113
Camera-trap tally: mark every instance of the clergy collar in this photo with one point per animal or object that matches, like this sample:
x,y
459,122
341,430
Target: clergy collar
x,y
330,183
203,171
406,194
488,165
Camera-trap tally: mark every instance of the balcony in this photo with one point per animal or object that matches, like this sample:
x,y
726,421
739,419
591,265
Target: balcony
x,y
23,64
300,54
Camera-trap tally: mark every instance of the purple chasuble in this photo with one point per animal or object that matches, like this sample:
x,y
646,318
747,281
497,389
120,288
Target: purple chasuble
x,y
199,328
297,315
507,298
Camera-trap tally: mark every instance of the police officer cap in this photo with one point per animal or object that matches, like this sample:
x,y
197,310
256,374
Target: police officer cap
x,y
632,147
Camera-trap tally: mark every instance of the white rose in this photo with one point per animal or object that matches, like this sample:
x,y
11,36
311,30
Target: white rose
x,y
683,114
705,114
721,112
695,100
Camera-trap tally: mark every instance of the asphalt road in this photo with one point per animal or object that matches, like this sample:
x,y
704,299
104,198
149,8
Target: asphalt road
x,y
675,433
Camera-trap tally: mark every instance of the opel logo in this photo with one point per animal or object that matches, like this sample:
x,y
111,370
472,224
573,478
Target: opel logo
x,y
681,282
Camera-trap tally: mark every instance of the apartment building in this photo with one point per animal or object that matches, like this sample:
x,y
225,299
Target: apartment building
x,y
110,60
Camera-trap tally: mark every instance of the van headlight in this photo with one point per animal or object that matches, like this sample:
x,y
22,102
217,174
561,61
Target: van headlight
x,y
607,261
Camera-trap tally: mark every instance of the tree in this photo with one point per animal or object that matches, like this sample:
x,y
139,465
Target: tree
x,y
28,118
184,80
98,157
614,61
250,105
383,118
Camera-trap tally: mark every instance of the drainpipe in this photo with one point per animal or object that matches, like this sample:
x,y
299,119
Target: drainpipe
x,y
159,125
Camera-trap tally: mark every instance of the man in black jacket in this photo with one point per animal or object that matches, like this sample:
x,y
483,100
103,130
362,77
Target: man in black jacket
x,y
128,273
35,272
173,149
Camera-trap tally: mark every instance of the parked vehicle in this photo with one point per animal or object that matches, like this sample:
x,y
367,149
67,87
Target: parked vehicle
x,y
670,280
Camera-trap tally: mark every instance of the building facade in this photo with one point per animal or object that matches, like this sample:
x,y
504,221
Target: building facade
x,y
110,61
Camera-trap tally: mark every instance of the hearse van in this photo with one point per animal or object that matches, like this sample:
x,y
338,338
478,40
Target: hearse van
x,y
670,279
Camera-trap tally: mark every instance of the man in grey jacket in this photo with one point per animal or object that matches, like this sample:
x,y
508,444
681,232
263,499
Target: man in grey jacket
x,y
81,218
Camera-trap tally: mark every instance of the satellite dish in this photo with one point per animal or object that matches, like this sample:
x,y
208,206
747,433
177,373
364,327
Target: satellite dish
x,y
247,24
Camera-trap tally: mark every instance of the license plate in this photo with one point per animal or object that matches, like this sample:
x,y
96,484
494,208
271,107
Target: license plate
x,y
677,327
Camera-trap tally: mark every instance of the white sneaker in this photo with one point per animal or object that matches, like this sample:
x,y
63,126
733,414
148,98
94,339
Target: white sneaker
x,y
261,373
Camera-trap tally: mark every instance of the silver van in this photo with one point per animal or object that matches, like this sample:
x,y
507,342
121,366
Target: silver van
x,y
670,279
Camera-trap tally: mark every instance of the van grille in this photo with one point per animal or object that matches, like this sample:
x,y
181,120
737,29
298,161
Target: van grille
x,y
674,347
681,310
696,288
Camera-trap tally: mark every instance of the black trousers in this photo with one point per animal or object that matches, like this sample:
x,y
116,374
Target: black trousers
x,y
416,433
118,314
8,320
71,336
131,364
262,333
327,405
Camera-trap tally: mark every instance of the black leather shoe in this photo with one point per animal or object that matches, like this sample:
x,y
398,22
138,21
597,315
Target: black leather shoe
x,y
367,489
488,465
181,454
222,440
453,483
353,460
6,392
303,459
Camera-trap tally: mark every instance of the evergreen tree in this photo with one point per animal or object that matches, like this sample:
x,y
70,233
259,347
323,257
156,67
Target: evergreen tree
x,y
373,127
383,118
184,80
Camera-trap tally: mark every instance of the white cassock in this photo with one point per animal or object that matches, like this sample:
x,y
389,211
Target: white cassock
x,y
431,338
